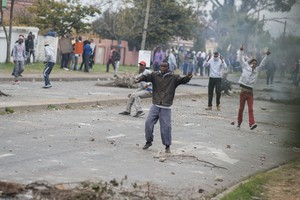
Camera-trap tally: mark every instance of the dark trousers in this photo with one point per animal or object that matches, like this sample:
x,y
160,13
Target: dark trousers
x,y
65,59
200,66
86,59
270,78
47,71
214,83
110,61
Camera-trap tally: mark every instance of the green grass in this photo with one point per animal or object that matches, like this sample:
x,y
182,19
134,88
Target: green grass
x,y
249,190
39,67
257,186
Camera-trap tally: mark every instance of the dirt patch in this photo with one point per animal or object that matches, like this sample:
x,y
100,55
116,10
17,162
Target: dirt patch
x,y
284,183
90,191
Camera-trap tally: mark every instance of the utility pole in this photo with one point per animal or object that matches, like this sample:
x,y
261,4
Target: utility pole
x,y
145,25
284,29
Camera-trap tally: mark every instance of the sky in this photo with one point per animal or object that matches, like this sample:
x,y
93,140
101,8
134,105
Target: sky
x,y
276,29
293,25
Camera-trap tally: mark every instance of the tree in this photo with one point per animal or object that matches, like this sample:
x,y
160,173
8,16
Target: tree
x,y
231,22
62,17
8,36
167,19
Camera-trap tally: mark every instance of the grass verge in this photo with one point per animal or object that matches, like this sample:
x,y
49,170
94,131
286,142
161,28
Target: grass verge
x,y
39,67
280,183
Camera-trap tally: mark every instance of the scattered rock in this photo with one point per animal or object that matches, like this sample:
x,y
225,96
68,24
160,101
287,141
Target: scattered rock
x,y
200,190
219,178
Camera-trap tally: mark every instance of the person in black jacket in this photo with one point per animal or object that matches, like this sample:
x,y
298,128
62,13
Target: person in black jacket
x,y
164,83
29,45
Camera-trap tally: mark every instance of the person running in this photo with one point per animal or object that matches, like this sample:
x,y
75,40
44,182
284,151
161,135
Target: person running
x,y
164,84
247,80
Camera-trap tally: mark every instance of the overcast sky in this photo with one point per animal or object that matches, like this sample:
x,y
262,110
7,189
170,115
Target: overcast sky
x,y
293,24
275,28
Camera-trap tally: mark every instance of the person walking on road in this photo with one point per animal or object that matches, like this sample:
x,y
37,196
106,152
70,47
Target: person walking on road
x,y
215,77
116,59
19,58
111,59
164,84
247,80
270,71
145,91
49,63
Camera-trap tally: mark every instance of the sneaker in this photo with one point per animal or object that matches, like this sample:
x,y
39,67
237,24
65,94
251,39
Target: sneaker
x,y
139,113
124,113
296,149
16,82
218,108
66,68
47,86
208,108
253,126
238,126
147,145
167,150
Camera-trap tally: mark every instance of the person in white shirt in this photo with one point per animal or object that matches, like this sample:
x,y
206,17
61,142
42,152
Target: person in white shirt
x,y
246,81
216,63
172,61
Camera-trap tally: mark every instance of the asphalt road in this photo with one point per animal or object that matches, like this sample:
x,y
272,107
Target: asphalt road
x,y
96,143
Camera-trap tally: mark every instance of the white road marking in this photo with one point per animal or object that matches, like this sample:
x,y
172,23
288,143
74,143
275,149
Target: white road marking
x,y
115,136
6,155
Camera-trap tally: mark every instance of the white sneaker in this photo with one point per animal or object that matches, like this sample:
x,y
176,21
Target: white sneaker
x,y
47,86
253,126
296,149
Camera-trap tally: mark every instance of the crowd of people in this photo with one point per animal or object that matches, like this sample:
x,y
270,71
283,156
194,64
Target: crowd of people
x,y
161,82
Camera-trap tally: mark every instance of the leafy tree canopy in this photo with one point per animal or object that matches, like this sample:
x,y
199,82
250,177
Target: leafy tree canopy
x,y
62,17
167,19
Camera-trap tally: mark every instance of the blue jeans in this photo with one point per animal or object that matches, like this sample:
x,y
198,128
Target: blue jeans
x,y
47,71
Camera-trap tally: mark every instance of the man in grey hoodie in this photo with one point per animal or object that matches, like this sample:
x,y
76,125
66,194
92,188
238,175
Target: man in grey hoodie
x,y
49,63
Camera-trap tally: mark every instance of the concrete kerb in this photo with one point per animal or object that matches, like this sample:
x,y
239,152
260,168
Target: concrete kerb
x,y
41,79
81,103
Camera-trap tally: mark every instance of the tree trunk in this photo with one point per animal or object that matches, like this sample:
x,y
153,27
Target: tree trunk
x,y
8,40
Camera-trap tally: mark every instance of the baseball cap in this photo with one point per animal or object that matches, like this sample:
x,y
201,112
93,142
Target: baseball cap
x,y
142,63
